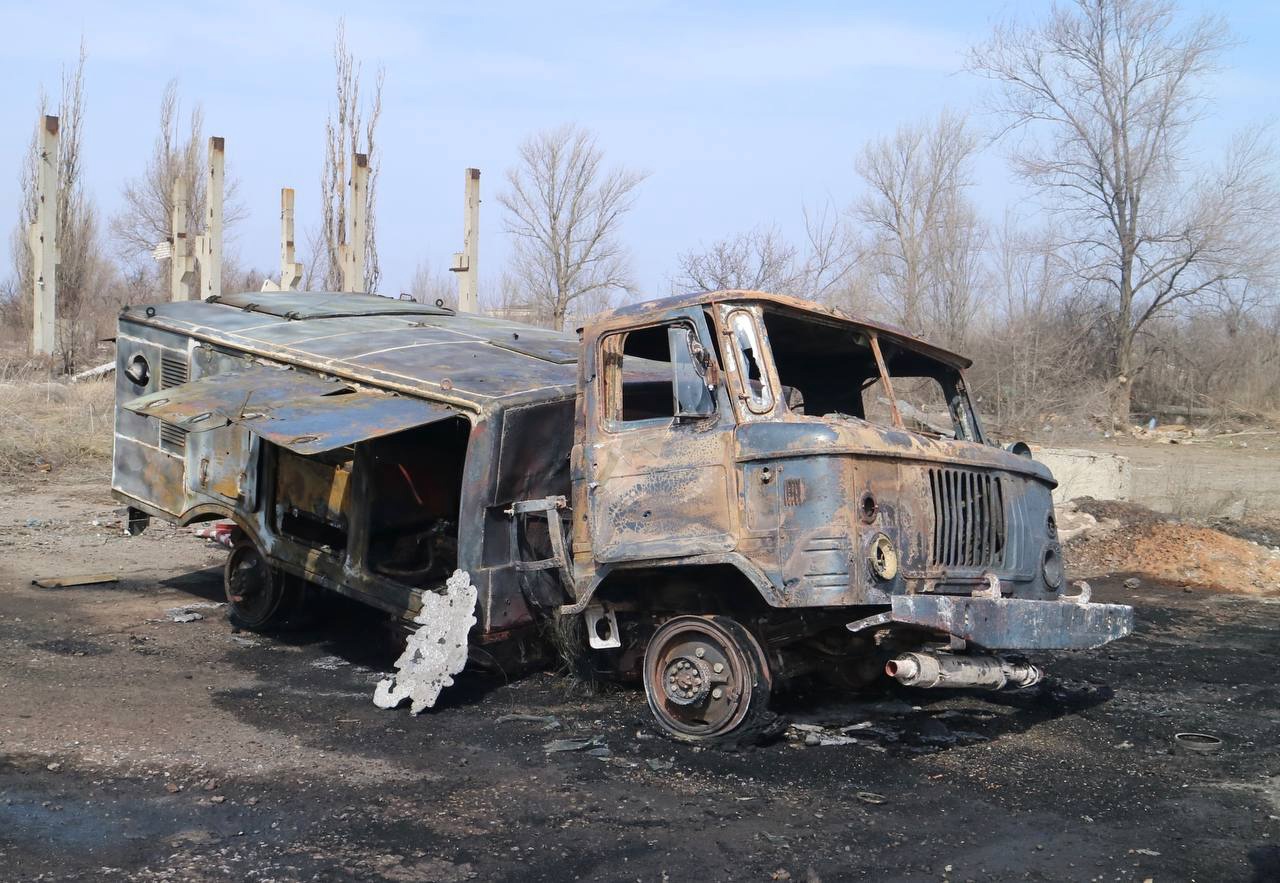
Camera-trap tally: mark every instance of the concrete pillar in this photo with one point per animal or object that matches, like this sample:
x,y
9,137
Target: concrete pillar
x,y
209,244
290,269
353,250
182,264
466,263
43,240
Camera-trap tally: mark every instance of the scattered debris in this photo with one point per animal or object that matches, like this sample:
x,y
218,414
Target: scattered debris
x,y
93,373
549,722
436,651
62,582
1132,582
186,613
558,745
218,532
1073,522
659,766
1199,743
871,797
53,767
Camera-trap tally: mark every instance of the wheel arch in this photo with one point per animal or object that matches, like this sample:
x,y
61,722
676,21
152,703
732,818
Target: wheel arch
x,y
720,583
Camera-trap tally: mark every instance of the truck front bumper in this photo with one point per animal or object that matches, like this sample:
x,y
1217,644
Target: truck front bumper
x,y
1010,623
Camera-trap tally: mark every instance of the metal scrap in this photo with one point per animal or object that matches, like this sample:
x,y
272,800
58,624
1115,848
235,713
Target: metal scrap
x,y
436,651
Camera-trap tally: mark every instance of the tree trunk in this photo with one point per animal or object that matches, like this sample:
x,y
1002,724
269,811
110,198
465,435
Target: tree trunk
x,y
1122,383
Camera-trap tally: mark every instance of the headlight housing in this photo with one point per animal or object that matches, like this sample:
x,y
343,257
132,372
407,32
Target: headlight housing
x,y
1051,566
883,557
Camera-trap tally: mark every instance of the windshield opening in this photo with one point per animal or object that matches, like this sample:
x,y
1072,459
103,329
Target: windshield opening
x,y
828,368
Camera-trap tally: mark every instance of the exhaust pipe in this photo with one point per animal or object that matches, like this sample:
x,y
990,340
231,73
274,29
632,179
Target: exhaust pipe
x,y
982,672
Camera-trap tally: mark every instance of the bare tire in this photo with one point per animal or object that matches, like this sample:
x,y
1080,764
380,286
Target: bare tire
x,y
707,680
260,596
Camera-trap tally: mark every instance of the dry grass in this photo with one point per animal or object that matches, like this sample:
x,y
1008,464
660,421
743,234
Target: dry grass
x,y
46,426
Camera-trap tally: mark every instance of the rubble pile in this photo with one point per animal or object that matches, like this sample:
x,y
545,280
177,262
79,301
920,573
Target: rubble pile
x,y
1126,538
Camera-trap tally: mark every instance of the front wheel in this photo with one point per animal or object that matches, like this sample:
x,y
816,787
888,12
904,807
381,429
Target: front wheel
x,y
707,680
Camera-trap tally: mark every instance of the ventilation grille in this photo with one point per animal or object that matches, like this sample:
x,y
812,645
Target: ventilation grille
x,y
968,518
173,371
792,492
173,439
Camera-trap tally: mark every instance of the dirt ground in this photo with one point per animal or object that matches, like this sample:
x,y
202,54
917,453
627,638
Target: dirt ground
x,y
135,747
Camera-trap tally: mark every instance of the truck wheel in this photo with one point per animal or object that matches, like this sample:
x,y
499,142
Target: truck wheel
x,y
260,597
707,679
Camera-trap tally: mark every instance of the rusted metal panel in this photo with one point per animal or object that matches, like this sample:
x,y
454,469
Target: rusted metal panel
x,y
315,424
302,412
471,361
1016,623
217,400
297,305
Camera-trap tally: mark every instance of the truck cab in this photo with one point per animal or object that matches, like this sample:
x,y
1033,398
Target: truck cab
x,y
789,490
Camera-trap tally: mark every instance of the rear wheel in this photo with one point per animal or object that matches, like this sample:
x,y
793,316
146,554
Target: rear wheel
x,y
260,596
707,679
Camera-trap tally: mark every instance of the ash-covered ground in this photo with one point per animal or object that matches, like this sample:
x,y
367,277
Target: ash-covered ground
x,y
133,747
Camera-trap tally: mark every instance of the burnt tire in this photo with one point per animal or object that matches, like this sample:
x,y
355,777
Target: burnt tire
x,y
707,680
259,597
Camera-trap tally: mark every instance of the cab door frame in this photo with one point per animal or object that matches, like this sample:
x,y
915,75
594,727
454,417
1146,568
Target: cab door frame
x,y
656,489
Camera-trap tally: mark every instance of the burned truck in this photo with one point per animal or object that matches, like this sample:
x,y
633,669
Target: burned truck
x,y
728,491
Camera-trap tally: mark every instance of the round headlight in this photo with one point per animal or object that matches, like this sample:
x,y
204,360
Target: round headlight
x,y
884,558
1052,567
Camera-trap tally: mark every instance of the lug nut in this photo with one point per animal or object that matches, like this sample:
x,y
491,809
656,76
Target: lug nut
x,y
700,652
718,667
717,693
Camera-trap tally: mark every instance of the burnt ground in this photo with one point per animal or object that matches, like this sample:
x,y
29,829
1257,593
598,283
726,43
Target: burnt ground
x,y
134,747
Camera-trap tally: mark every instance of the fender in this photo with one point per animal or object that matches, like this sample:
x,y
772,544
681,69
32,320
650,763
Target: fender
x,y
771,594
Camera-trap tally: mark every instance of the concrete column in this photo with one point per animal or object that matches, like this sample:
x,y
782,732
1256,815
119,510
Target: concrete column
x,y
290,269
182,269
466,263
209,244
353,252
43,239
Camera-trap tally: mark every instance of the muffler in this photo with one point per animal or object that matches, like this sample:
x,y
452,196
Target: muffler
x,y
946,670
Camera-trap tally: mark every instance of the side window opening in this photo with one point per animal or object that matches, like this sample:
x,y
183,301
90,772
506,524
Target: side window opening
x,y
749,355
655,375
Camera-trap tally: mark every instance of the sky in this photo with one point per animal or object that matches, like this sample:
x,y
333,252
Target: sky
x,y
741,113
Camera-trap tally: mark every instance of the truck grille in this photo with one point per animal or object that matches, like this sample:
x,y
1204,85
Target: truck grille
x,y
968,518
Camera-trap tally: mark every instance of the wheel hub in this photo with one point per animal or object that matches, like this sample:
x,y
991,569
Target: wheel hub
x,y
687,680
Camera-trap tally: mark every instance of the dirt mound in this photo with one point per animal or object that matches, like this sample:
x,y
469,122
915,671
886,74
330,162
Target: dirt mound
x,y
1185,554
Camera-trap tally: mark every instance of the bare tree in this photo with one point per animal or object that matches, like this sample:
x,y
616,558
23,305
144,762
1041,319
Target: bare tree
x,y
428,286
146,218
924,235
351,127
757,260
565,211
1105,94
831,255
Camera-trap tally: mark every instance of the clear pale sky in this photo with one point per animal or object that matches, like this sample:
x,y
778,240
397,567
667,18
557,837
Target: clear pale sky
x,y
740,111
